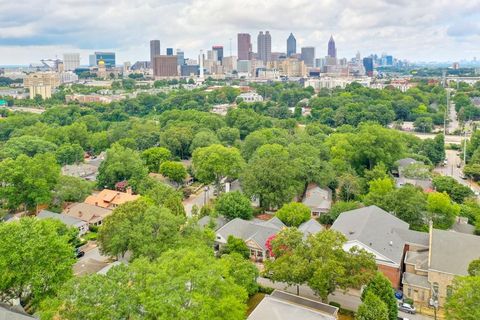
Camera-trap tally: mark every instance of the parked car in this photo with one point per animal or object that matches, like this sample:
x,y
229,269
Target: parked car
x,y
405,307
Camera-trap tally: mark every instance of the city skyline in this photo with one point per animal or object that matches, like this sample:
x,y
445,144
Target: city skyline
x,y
403,29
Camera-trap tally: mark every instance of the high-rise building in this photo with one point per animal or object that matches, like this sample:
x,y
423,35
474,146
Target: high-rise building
x,y
154,51
107,57
308,56
219,50
291,45
332,50
165,66
244,46
180,57
368,65
71,61
169,51
264,46
190,70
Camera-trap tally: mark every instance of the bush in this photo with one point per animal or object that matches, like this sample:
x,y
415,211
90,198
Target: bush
x,y
265,290
293,214
234,205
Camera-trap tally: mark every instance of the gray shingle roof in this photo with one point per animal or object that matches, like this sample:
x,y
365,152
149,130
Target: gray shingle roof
x,y
452,252
374,228
8,312
310,227
218,221
248,230
317,198
406,162
67,220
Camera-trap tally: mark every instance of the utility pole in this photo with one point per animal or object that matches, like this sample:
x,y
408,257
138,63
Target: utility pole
x,y
465,149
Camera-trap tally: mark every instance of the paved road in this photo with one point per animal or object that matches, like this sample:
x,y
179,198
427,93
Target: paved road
x,y
452,170
199,199
453,124
349,301
448,138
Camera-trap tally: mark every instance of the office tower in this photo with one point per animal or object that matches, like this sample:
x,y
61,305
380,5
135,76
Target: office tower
x,y
165,66
229,64
389,60
180,57
368,65
154,51
212,55
71,61
169,51
308,56
264,46
107,57
291,45
244,46
190,70
332,50
219,50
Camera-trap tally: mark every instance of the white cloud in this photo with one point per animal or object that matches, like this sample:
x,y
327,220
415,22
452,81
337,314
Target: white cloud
x,y
416,30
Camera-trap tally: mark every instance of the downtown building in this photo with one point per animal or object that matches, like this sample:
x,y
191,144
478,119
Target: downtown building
x,y
291,45
165,66
244,46
264,47
71,61
154,51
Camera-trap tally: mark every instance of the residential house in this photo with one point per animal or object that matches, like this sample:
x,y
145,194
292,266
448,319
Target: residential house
x,y
281,305
429,273
420,178
256,232
69,221
319,200
87,170
110,199
216,223
383,235
89,213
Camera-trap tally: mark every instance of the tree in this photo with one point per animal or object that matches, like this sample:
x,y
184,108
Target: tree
x,y
154,157
175,171
213,163
234,205
236,245
271,177
409,204
36,258
381,287
69,153
349,185
163,195
379,189
121,164
423,124
293,214
27,145
373,308
455,190
336,209
177,140
28,181
243,272
202,139
474,268
228,136
463,303
441,210
71,189
140,227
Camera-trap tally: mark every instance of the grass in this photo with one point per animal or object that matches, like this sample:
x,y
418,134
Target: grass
x,y
253,301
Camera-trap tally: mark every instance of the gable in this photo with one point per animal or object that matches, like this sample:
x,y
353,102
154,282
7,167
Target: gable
x,y
379,258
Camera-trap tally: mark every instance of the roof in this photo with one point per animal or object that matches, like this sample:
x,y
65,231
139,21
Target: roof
x,y
414,237
406,162
424,184
66,219
415,280
463,228
108,198
374,228
87,212
417,259
205,221
81,170
312,226
452,252
281,305
8,312
317,198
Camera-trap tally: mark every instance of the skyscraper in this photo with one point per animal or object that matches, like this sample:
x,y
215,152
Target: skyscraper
x,y
291,45
244,46
154,51
219,50
368,65
169,51
332,50
165,66
71,61
308,56
264,46
180,57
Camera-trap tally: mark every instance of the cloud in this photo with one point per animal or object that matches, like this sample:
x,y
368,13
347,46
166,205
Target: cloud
x,y
416,30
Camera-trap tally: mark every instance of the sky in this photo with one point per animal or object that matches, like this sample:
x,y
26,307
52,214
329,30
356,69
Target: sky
x,y
416,30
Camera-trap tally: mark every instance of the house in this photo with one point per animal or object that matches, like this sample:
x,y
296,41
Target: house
x,y
383,235
281,305
217,222
110,199
87,170
250,97
69,221
8,312
319,200
91,214
429,273
411,171
256,232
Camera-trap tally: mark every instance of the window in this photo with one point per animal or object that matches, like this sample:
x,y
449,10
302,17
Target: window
x,y
409,292
449,291
435,290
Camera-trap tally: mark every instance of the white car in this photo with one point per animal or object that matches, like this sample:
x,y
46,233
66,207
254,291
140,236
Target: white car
x,y
405,307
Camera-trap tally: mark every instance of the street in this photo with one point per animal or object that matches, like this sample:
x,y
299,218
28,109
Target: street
x,y
452,170
199,199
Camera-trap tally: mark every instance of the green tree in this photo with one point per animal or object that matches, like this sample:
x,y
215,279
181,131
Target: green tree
x,y
71,189
463,303
121,164
36,258
474,268
243,272
27,145
336,209
175,171
228,136
234,205
203,139
349,186
293,214
163,195
455,190
423,124
409,204
373,308
213,163
154,157
140,227
69,153
236,245
271,177
378,192
381,287
28,181
177,140
441,210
